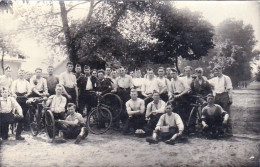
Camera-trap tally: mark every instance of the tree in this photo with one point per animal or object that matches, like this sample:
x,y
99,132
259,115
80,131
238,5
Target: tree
x,y
257,75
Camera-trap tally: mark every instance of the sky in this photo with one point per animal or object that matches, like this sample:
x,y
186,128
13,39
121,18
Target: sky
x,y
213,11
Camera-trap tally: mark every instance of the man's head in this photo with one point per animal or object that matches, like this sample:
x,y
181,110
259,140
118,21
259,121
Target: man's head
x,y
218,70
133,94
108,71
38,72
69,66
210,99
113,74
156,96
71,108
21,74
168,70
138,73
101,74
187,70
174,73
78,68
161,71
50,70
131,73
8,71
4,92
94,73
58,89
122,71
199,72
150,73
86,70
168,109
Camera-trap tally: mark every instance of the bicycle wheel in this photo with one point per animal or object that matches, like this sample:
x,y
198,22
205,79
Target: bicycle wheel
x,y
114,103
34,121
190,116
99,120
50,125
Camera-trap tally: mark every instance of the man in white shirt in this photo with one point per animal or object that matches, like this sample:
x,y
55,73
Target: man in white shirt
x,y
7,115
69,82
39,84
153,112
168,73
57,103
187,78
163,84
222,88
169,127
135,109
6,80
137,81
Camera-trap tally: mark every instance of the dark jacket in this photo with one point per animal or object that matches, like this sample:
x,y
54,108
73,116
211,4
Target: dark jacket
x,y
82,82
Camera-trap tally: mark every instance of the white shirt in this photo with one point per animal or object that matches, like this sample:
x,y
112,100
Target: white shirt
x,y
41,83
221,84
174,120
68,79
163,82
6,81
138,83
160,106
89,84
7,105
149,85
177,86
21,86
58,103
187,81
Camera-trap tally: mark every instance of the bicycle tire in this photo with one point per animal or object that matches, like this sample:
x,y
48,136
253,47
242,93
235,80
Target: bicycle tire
x,y
99,120
191,112
34,121
114,104
50,125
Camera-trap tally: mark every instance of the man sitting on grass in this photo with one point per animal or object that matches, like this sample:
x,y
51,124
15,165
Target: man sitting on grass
x,y
214,118
168,128
73,127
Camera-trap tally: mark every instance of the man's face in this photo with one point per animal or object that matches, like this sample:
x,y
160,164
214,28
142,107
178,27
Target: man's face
x,y
113,74
199,73
133,95
168,110
87,71
100,75
71,110
168,70
122,71
150,74
58,90
187,71
156,96
108,71
38,73
50,70
8,73
174,74
161,72
5,93
132,74
210,100
94,73
69,67
21,74
78,70
138,73
217,72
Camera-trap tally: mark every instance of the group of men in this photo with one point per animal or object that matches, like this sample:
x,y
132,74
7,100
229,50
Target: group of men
x,y
156,105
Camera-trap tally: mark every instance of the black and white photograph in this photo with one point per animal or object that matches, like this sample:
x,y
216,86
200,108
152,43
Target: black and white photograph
x,y
129,83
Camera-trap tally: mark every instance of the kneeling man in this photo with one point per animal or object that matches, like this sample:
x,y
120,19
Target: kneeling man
x,y
214,118
73,126
168,128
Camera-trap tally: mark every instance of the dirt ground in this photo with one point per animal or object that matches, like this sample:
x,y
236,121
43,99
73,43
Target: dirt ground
x,y
113,149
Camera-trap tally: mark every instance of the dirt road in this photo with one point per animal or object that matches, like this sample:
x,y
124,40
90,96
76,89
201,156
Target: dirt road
x,y
116,150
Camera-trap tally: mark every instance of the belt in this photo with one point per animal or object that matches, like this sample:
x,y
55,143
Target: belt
x,y
221,93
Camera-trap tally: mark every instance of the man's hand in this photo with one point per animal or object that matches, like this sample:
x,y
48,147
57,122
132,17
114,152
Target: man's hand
x,y
177,96
69,96
158,128
154,112
224,122
26,95
113,91
204,124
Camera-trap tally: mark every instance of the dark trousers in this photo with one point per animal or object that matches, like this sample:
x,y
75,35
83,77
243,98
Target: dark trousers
x,y
69,132
151,124
162,136
164,96
124,94
22,102
59,116
5,120
223,100
86,99
135,122
72,93
213,129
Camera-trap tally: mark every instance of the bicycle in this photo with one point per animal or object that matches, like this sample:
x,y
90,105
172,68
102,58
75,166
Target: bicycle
x,y
100,117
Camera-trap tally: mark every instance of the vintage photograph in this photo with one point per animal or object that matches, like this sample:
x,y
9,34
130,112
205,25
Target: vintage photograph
x,y
129,83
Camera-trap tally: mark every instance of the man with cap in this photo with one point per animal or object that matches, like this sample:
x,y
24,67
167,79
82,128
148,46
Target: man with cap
x,y
222,89
86,84
214,118
169,127
135,109
69,82
6,80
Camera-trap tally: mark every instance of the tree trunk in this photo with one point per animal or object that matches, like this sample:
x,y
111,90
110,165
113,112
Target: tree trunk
x,y
2,61
70,43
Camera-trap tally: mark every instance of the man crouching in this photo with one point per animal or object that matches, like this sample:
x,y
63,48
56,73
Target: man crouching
x,y
168,128
73,127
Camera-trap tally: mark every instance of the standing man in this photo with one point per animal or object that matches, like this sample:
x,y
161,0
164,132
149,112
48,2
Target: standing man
x,y
222,88
137,81
52,81
187,78
86,84
168,73
39,84
135,109
78,71
69,82
163,84
104,85
108,72
6,80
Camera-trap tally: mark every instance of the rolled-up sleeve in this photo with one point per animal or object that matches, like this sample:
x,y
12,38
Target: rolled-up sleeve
x,y
179,123
16,106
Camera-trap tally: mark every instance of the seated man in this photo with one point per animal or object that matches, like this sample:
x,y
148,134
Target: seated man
x,y
135,109
153,112
73,127
214,118
7,116
57,103
169,127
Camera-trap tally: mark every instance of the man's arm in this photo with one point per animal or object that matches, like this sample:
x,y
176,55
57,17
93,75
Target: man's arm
x,y
179,124
131,82
71,123
148,110
45,86
129,110
161,110
17,106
